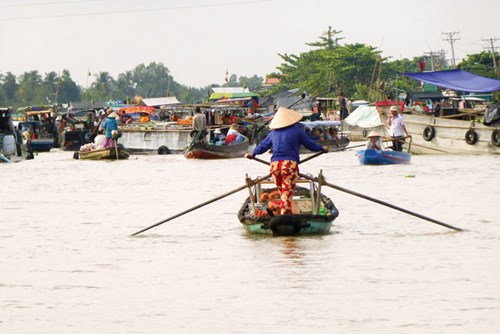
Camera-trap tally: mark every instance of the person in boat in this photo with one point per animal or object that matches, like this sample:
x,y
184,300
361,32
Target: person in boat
x,y
285,139
332,134
110,124
199,120
374,141
219,137
397,129
343,106
234,136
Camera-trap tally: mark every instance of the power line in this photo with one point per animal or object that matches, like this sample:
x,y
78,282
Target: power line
x,y
451,39
46,3
138,10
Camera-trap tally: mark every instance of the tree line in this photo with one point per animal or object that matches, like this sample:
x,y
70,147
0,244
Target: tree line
x,y
357,70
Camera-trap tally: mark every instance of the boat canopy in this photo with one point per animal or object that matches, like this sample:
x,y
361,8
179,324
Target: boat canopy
x,y
136,110
364,117
315,124
160,101
459,80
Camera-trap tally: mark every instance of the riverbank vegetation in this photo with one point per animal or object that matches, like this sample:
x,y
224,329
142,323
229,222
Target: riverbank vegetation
x,y
358,70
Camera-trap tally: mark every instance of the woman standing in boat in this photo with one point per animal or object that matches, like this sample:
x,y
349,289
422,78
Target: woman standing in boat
x,y
110,124
285,140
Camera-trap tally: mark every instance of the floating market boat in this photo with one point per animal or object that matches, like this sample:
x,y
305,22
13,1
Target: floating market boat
x,y
327,129
12,147
383,157
103,154
461,125
200,149
38,135
312,211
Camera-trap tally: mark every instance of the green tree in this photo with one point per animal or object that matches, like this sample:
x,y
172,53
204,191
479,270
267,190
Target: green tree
x,y
252,83
30,88
153,80
102,88
337,70
327,40
481,64
9,90
68,90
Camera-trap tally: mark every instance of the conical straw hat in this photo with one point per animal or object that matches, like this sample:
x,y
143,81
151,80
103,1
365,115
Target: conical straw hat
x,y
284,117
374,134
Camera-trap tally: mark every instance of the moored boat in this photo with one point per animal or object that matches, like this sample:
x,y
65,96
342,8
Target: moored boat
x,y
202,150
453,136
383,157
312,212
103,154
330,134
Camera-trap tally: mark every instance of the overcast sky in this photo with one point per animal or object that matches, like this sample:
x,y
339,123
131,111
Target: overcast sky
x,y
198,39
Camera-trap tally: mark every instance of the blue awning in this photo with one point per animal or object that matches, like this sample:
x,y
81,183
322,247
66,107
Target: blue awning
x,y
457,80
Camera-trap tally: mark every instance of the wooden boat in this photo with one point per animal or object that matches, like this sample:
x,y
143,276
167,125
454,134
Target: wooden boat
x,y
312,212
103,154
333,145
41,139
199,149
440,135
383,157
12,147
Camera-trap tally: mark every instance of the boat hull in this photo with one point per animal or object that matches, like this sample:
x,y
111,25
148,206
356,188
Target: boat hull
x,y
103,154
41,145
205,151
146,140
379,157
449,136
301,226
333,145
303,222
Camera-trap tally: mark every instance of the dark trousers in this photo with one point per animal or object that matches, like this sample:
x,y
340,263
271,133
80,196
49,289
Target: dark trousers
x,y
398,143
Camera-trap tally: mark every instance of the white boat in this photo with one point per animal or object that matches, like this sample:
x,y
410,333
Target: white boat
x,y
439,135
161,137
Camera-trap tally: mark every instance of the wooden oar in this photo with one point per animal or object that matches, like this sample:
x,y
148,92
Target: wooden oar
x,y
322,181
381,202
203,204
433,149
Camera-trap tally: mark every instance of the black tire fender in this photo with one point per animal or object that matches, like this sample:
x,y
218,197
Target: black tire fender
x,y
495,138
428,133
471,137
163,150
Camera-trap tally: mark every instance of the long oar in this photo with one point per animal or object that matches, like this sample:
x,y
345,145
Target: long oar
x,y
372,199
382,202
202,204
302,161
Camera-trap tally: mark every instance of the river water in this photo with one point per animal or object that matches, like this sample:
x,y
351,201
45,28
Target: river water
x,y
68,264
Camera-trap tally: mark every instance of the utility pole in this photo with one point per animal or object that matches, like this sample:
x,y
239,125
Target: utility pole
x,y
431,56
493,49
451,39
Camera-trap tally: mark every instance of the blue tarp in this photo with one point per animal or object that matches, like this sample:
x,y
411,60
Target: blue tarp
x,y
457,80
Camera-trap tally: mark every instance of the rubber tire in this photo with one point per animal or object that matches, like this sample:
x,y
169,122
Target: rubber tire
x,y
471,137
163,150
495,138
428,133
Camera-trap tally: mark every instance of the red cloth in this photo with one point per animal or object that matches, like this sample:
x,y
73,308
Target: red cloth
x,y
230,138
285,174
